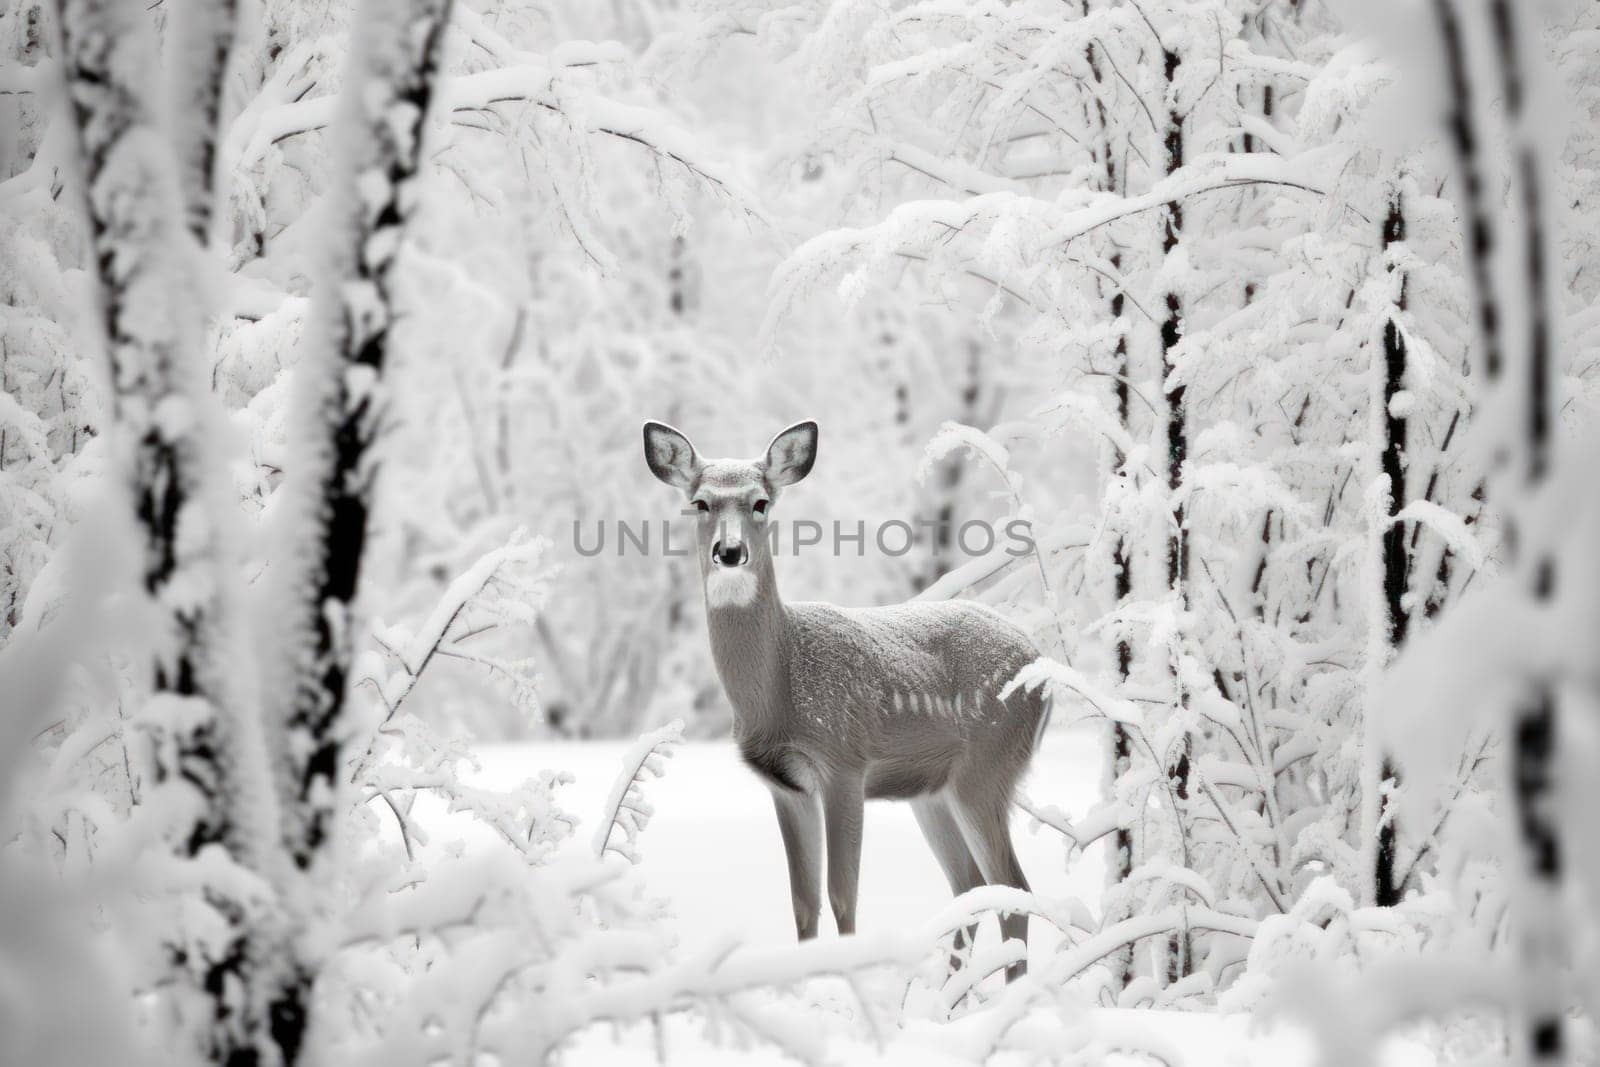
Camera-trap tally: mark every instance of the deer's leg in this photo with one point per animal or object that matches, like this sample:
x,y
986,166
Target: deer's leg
x,y
800,823
842,801
943,835
985,822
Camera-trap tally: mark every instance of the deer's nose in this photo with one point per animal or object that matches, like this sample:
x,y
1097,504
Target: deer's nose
x,y
726,554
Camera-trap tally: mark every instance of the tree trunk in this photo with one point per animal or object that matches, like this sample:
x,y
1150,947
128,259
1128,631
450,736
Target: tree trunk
x,y
1121,743
1520,370
1396,555
162,432
1180,948
396,55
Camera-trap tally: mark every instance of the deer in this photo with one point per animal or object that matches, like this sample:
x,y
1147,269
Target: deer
x,y
833,706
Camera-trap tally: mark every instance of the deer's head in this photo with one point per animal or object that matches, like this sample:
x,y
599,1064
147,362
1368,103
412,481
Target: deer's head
x,y
733,500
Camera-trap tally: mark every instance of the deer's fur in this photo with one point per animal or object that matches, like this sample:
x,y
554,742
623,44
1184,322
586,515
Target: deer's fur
x,y
834,706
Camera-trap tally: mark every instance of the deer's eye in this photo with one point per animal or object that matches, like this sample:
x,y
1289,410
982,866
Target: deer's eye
x,y
759,507
701,505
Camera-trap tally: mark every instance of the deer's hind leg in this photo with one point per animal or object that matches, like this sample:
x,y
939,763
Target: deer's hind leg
x,y
984,816
943,834
800,823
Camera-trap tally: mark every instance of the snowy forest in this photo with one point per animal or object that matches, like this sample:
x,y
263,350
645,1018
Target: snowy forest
x,y
357,704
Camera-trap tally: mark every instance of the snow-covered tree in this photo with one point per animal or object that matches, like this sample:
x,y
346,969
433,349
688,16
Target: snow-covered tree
x,y
206,789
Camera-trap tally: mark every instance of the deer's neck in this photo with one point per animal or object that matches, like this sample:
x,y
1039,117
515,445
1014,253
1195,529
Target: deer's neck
x,y
749,645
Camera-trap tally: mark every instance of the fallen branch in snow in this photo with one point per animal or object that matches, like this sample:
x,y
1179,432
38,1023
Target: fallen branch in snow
x,y
626,807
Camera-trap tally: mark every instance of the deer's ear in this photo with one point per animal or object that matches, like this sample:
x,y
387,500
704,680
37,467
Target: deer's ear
x,y
670,455
792,453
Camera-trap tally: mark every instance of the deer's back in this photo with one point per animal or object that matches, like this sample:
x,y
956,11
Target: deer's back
x,y
909,694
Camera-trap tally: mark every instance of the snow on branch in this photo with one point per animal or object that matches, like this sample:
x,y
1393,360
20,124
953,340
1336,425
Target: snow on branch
x,y
415,650
1079,412
982,568
282,107
953,436
399,739
1101,821
1450,527
983,1038
1008,233
1045,672
646,127
535,81
1057,676
626,807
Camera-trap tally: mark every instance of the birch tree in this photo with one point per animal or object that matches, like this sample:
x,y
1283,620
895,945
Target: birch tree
x,y
397,51
208,775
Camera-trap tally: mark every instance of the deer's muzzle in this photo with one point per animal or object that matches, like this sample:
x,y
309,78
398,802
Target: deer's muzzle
x,y
730,554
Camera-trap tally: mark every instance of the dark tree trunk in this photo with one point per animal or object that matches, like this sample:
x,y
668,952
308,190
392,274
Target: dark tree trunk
x,y
1122,843
1396,553
1179,962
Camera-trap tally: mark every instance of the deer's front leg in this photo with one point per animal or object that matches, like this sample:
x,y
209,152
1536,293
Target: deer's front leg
x,y
842,801
800,823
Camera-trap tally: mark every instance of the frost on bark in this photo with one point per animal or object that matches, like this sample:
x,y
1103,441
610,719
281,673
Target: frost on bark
x,y
395,63
143,262
1518,376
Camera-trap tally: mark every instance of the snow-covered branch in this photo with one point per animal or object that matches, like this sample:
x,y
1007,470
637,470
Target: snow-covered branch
x,y
626,808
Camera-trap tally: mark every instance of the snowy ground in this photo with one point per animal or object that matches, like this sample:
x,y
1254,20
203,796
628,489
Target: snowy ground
x,y
712,852
712,848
